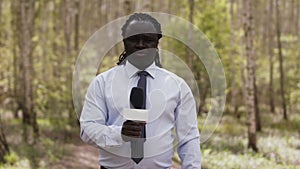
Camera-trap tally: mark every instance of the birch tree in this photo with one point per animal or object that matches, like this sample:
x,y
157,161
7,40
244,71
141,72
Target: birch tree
x,y
250,100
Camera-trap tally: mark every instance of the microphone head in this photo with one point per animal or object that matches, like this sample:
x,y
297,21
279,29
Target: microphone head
x,y
137,98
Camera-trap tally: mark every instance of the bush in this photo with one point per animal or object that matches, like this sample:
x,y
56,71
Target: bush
x,y
11,158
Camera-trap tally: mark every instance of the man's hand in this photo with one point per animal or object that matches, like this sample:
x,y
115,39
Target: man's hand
x,y
131,130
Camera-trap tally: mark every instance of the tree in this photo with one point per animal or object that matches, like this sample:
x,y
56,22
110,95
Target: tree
x,y
280,57
17,90
128,7
232,55
257,116
250,85
68,32
297,19
77,25
256,19
4,149
189,52
25,25
270,54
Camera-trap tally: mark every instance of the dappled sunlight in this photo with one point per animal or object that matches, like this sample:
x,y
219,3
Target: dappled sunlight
x,y
243,50
227,148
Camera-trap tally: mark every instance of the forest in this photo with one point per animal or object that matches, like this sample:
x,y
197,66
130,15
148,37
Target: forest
x,y
256,41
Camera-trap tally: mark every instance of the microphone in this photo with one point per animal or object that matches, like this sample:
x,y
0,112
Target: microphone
x,y
137,98
137,102
136,111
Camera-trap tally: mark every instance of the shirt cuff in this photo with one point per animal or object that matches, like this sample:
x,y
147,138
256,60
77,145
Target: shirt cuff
x,y
114,138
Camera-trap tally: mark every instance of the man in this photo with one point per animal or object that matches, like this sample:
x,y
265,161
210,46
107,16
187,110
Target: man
x,y
168,99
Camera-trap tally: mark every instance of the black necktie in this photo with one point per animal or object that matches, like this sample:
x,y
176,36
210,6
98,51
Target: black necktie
x,y
142,83
137,147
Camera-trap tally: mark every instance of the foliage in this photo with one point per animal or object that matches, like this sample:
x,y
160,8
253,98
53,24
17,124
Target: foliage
x,y
11,158
53,64
52,147
228,146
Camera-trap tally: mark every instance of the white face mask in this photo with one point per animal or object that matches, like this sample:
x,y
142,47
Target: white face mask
x,y
143,58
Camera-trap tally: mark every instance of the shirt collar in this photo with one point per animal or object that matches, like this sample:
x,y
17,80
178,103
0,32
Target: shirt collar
x,y
132,70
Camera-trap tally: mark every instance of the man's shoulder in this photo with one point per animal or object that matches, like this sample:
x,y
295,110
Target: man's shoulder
x,y
170,74
108,73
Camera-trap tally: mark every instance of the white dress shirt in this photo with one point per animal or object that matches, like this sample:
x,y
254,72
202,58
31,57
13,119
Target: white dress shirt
x,y
171,106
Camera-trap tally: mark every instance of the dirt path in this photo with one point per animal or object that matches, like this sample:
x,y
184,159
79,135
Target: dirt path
x,y
86,157
82,157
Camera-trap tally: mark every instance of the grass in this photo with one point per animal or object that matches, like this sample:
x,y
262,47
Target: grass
x,y
51,147
278,143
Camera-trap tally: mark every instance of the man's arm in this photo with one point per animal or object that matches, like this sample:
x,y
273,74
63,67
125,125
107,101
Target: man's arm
x,y
94,130
187,130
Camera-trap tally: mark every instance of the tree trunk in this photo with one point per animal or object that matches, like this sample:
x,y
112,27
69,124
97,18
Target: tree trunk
x,y
4,149
77,25
250,100
127,7
1,22
15,81
44,38
240,14
189,53
297,19
257,114
292,15
100,15
270,54
153,6
203,98
144,5
26,25
16,61
170,7
68,27
190,38
232,55
108,10
255,14
280,57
